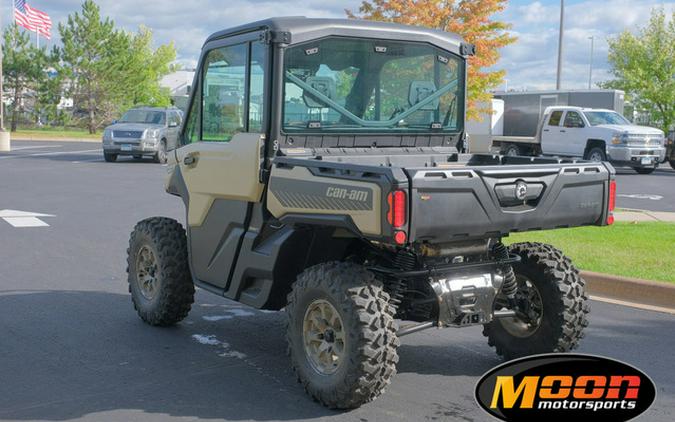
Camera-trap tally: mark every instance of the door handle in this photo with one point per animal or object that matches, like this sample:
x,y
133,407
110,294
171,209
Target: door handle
x,y
189,160
546,130
563,130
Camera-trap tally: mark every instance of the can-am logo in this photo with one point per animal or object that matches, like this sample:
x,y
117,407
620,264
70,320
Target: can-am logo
x,y
565,387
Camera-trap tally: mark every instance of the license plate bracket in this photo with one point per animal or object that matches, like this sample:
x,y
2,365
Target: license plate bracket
x,y
126,147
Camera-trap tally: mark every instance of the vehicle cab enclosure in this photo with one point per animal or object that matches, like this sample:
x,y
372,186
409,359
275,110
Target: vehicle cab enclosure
x,y
313,140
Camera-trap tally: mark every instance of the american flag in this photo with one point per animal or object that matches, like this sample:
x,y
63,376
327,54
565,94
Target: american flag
x,y
32,19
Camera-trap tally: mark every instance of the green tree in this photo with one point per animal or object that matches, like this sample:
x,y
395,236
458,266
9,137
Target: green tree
x,y
91,46
23,66
50,90
643,65
109,70
145,68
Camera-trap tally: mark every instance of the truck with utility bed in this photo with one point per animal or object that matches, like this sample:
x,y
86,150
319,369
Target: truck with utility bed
x,y
344,198
591,134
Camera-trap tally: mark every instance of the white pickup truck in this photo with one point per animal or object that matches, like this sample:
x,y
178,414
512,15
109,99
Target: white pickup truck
x,y
592,134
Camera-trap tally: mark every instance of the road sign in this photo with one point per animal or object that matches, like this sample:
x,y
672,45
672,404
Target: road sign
x,y
24,218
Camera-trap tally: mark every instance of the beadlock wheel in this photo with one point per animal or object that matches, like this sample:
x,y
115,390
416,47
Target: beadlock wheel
x,y
530,310
146,272
324,337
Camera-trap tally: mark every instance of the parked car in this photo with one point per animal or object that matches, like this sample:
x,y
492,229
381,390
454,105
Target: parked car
x,y
143,131
592,134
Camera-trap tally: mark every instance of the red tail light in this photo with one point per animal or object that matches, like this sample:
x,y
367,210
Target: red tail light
x,y
397,209
612,202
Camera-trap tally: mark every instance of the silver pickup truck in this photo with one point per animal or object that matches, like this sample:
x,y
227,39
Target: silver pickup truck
x,y
592,134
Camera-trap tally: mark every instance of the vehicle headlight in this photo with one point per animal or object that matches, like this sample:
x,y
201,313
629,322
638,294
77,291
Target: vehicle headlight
x,y
152,134
620,138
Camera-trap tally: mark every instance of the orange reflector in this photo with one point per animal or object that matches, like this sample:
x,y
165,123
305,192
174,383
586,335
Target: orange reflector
x,y
612,195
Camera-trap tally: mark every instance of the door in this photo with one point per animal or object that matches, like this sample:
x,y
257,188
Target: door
x,y
220,161
572,140
551,139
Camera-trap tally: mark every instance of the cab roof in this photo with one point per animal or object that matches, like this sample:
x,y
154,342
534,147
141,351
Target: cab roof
x,y
299,29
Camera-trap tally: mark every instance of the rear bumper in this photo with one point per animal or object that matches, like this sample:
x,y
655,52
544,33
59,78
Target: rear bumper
x,y
636,156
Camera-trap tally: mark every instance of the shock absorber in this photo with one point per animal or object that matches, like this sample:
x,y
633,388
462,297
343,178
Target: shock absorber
x,y
406,261
510,285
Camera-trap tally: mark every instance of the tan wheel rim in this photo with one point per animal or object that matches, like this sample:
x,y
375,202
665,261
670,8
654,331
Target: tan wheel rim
x,y
146,272
323,337
528,319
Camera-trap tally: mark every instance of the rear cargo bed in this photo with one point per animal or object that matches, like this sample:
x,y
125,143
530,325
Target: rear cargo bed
x,y
478,201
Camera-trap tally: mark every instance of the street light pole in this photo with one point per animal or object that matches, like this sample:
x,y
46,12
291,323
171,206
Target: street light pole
x,y
590,71
560,44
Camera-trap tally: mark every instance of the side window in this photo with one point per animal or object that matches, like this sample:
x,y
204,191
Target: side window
x,y
573,119
224,93
174,119
555,118
257,86
193,126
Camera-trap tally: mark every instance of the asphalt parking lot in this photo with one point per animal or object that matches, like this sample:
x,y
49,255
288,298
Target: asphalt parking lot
x,y
72,347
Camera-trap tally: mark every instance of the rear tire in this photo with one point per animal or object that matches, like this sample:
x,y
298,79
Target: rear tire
x,y
644,170
109,158
596,154
559,324
359,343
512,151
158,272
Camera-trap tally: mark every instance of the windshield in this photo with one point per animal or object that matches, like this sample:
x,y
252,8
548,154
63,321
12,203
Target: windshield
x,y
143,116
596,118
341,84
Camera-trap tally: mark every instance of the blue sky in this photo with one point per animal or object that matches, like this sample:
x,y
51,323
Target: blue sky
x,y
530,62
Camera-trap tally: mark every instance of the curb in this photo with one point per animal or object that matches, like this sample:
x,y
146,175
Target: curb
x,y
631,291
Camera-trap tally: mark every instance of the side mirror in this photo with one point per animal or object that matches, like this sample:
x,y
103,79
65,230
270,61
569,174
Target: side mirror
x,y
173,124
114,122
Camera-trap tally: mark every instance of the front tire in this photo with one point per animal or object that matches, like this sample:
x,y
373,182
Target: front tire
x,y
672,163
160,155
341,334
596,155
158,272
109,158
553,305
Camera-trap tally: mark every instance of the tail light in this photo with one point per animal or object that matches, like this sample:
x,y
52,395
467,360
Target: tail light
x,y
397,215
397,209
612,202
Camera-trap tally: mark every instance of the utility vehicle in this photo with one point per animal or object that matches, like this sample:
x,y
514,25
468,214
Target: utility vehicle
x,y
322,172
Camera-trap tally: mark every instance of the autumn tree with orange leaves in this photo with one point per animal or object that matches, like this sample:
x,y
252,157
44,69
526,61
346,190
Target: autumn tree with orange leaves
x,y
469,18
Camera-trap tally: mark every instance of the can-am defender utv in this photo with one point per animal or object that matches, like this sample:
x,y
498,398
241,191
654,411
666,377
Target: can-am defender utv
x,y
322,170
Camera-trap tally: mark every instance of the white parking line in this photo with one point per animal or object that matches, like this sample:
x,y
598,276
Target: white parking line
x,y
36,147
43,154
